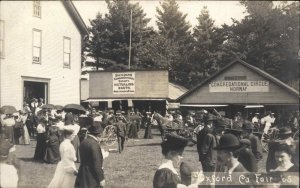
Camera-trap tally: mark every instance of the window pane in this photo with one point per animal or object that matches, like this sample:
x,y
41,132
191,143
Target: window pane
x,y
67,45
36,55
36,8
66,59
37,38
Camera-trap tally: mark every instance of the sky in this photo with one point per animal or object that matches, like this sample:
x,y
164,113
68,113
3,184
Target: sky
x,y
220,11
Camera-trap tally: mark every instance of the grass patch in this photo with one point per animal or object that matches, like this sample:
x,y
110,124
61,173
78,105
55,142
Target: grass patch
x,y
133,168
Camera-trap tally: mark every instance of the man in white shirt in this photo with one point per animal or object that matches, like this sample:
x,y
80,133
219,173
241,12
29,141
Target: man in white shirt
x,y
34,104
255,121
267,120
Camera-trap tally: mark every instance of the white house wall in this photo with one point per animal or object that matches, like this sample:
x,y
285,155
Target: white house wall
x,y
55,23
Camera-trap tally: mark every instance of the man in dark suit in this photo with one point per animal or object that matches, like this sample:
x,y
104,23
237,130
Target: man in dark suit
x,y
255,142
228,148
228,151
121,133
91,174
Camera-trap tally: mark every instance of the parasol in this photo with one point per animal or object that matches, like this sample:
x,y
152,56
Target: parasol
x,y
48,106
75,108
7,109
58,107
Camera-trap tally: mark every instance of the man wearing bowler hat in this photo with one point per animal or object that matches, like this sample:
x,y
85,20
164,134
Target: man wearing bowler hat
x,y
255,143
91,174
227,149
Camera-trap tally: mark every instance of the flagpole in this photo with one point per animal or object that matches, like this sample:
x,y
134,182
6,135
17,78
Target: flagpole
x,y
129,55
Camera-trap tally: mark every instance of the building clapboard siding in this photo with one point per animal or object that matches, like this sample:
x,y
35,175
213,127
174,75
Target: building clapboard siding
x,y
60,26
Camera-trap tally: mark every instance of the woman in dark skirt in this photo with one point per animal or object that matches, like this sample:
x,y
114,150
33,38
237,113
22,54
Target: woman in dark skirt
x,y
40,140
52,150
172,148
133,132
148,126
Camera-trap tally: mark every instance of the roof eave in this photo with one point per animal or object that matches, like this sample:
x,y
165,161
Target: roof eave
x,y
71,9
255,69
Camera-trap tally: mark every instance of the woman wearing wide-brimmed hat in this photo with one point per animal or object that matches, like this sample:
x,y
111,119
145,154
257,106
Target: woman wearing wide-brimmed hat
x,y
166,174
285,167
284,137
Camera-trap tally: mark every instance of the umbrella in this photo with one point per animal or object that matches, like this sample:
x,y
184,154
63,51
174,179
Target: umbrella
x,y
48,106
7,109
76,108
58,107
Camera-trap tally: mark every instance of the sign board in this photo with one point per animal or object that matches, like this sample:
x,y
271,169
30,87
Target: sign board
x,y
131,84
123,83
240,86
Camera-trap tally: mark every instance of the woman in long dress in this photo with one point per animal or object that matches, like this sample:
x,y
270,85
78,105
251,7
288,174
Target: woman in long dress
x,y
24,139
40,140
65,173
52,150
71,122
148,126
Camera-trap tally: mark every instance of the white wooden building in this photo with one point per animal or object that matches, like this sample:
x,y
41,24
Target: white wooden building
x,y
40,52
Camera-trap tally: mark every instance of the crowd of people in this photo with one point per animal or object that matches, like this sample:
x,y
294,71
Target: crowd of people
x,y
224,149
62,139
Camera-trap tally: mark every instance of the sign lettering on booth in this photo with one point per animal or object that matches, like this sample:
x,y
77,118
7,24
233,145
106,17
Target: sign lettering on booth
x,y
123,83
239,86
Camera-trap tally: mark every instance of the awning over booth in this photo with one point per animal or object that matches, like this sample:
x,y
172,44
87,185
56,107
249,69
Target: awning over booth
x,y
105,100
203,105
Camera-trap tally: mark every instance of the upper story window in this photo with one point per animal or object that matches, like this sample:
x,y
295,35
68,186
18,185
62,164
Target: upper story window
x,y
67,52
37,8
36,46
1,38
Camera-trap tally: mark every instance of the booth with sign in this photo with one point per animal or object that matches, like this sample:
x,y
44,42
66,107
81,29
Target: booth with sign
x,y
144,90
241,87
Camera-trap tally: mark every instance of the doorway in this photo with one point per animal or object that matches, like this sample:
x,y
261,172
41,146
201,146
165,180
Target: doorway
x,y
35,90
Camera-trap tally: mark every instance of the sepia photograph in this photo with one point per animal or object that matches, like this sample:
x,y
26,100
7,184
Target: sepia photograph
x,y
149,94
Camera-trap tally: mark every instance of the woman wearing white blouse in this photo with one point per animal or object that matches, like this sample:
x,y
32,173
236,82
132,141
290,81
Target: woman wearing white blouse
x,y
40,140
65,173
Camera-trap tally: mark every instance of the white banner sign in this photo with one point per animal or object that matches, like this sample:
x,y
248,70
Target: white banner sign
x,y
239,86
123,83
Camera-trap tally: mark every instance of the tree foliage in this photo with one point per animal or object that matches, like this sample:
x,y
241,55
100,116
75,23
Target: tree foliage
x,y
172,26
109,42
267,38
206,53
